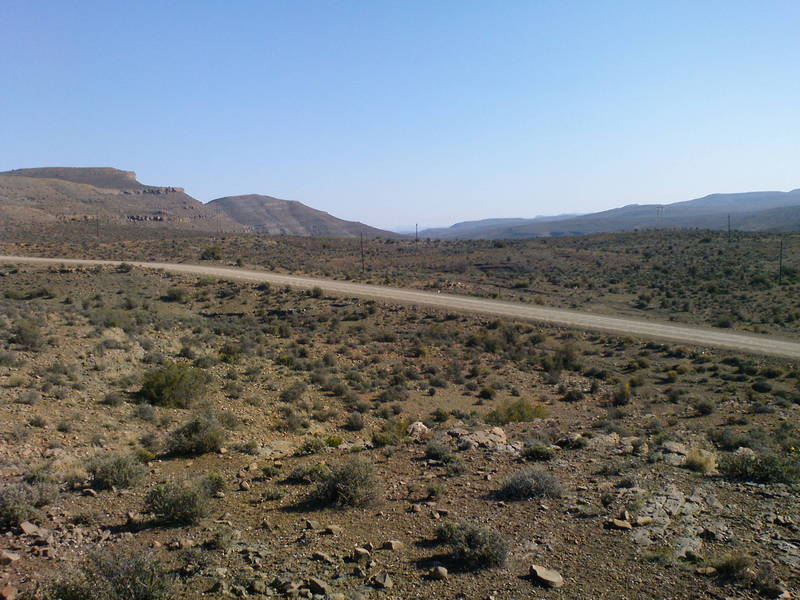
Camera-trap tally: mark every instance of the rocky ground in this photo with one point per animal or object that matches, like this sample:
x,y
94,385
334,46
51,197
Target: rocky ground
x,y
690,276
648,460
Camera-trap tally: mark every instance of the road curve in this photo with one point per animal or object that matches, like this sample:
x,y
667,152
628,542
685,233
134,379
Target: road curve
x,y
742,342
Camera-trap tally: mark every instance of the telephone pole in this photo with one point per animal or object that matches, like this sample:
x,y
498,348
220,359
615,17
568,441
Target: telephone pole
x,y
362,251
780,264
729,227
416,233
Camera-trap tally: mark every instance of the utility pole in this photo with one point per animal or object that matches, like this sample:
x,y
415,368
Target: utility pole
x,y
416,232
362,251
97,225
780,264
729,227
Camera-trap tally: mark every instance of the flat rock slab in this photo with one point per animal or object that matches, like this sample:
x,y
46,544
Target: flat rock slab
x,y
675,448
546,577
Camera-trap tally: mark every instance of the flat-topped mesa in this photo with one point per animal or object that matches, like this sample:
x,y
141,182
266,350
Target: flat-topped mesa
x,y
99,177
102,194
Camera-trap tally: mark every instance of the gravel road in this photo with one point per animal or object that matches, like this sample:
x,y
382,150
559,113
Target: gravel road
x,y
699,336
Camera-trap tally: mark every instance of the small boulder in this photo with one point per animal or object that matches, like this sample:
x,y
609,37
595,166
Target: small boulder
x,y
6,557
29,528
546,577
382,581
439,573
393,545
618,524
322,557
318,586
417,430
361,554
675,448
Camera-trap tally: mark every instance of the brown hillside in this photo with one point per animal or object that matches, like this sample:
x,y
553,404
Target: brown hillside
x,y
64,195
264,214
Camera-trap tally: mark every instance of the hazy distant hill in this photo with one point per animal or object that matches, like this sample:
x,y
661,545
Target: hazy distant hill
x,y
750,211
264,214
63,195
465,229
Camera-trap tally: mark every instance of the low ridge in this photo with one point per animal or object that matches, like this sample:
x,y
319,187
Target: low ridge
x,y
265,214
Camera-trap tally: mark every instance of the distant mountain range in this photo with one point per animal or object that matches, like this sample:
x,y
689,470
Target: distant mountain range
x,y
750,211
54,195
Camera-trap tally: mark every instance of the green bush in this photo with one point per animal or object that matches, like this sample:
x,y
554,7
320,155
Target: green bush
x,y
536,450
176,503
354,422
705,407
392,432
308,473
622,395
116,471
27,335
176,294
211,253
437,449
487,393
353,482
476,546
515,411
124,574
20,502
530,483
312,445
113,399
761,468
734,567
294,393
762,386
199,436
9,359
211,483
174,385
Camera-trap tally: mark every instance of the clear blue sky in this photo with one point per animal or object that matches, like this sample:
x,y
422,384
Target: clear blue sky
x,y
404,111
